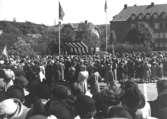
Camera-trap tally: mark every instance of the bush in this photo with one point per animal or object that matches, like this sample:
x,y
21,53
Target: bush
x,y
129,48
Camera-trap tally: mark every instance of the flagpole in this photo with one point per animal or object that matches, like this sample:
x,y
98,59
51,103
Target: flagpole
x,y
61,15
106,33
106,25
59,39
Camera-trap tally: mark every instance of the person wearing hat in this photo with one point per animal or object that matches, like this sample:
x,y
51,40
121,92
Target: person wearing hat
x,y
15,92
132,99
82,79
118,112
7,77
85,106
13,109
109,75
58,109
159,105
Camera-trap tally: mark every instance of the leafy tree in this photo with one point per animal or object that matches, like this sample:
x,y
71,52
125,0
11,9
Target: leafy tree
x,y
67,33
21,47
113,37
53,47
102,32
140,33
85,33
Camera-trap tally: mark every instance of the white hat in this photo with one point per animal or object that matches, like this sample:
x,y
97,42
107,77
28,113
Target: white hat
x,y
8,107
9,74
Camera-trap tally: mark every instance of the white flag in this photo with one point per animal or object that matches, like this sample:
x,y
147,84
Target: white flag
x,y
5,52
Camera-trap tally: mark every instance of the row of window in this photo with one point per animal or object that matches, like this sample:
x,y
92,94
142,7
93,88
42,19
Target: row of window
x,y
160,45
148,16
162,25
160,35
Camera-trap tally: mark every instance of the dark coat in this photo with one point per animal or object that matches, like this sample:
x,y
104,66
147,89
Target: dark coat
x,y
159,105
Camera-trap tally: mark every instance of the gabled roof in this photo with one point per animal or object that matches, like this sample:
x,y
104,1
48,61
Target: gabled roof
x,y
151,9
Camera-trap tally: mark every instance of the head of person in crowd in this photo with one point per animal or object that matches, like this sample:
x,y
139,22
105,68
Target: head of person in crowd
x,y
15,92
9,75
60,92
106,99
13,109
76,90
162,87
58,109
21,81
118,112
85,107
6,77
82,67
132,99
41,91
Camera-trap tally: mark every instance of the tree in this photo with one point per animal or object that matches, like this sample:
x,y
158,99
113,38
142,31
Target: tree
x,y
140,33
22,48
53,47
67,33
102,32
87,32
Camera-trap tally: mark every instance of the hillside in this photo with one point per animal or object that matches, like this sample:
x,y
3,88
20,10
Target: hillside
x,y
26,38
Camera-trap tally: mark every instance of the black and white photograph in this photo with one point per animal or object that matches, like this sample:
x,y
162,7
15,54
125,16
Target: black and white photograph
x,y
83,59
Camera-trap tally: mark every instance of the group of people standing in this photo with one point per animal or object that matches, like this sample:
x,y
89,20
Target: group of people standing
x,y
68,87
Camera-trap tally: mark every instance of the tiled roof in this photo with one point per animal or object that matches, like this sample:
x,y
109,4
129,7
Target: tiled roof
x,y
151,9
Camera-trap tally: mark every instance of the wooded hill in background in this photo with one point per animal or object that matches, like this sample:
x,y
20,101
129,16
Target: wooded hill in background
x,y
26,38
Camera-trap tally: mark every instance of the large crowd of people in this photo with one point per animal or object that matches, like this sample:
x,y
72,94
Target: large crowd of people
x,y
68,87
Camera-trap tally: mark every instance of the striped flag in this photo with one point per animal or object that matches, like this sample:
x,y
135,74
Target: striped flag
x,y
61,12
105,6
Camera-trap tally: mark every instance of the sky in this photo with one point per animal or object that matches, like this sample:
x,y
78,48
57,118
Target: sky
x,y
76,11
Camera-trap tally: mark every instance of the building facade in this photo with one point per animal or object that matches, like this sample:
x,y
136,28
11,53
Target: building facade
x,y
155,16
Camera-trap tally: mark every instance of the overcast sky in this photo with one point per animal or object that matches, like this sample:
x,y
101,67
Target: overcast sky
x,y
46,11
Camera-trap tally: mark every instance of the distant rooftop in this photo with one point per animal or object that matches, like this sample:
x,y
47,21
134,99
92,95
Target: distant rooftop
x,y
129,11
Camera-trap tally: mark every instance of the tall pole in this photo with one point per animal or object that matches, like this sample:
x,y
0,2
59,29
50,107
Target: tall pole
x,y
59,40
106,33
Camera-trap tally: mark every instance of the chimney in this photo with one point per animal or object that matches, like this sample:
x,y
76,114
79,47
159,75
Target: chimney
x,y
86,21
125,6
152,3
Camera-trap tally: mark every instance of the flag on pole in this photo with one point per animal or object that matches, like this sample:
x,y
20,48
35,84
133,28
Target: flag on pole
x,y
5,52
61,12
105,6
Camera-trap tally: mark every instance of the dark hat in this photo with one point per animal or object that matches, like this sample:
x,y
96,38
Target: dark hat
x,y
133,98
58,109
85,105
61,91
15,92
119,112
21,81
161,85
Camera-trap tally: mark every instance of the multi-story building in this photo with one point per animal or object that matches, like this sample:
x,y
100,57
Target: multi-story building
x,y
154,15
